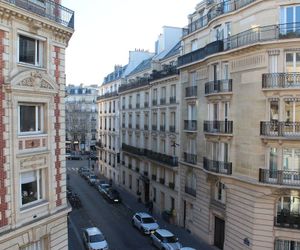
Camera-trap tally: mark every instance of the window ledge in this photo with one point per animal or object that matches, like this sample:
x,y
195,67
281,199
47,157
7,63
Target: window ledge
x,y
20,136
33,152
34,205
31,66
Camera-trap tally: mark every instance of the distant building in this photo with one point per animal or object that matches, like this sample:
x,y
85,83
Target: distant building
x,y
81,117
33,205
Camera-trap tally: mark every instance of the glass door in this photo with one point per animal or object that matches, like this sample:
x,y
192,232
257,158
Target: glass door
x,y
292,68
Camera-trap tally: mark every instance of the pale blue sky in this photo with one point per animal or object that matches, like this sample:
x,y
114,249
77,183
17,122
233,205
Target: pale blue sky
x,y
106,30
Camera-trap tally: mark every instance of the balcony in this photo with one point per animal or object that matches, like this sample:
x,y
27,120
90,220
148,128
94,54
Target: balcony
x,y
162,158
191,91
279,177
137,126
137,105
154,127
287,219
190,125
146,127
217,10
219,167
190,191
144,81
280,129
169,70
123,125
218,127
218,86
281,81
132,149
162,181
146,104
129,125
162,128
154,102
172,185
123,107
172,99
172,128
249,37
162,101
130,106
47,9
190,158
153,177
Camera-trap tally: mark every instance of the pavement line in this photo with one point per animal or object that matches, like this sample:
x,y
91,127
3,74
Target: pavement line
x,y
77,234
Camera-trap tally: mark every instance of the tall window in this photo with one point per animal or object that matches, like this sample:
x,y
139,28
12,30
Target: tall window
x,y
194,45
31,186
291,159
274,110
154,94
173,90
163,92
39,245
289,16
292,61
30,51
220,192
30,118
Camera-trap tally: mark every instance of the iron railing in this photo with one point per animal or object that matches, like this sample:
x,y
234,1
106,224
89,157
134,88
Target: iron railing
x,y
169,70
279,177
162,101
135,84
48,9
190,191
172,99
172,128
191,91
219,127
280,129
162,128
190,125
217,166
252,36
280,80
162,158
132,149
286,219
190,158
108,95
146,104
146,127
218,86
217,10
154,127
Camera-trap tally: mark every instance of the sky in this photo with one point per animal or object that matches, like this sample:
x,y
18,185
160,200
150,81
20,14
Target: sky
x,y
106,30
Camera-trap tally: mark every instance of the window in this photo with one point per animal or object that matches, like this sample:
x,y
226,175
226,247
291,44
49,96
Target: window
x,y
194,45
173,90
30,51
31,186
290,15
220,192
30,118
287,245
39,245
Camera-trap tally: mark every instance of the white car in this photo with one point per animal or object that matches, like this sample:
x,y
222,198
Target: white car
x,y
187,248
93,239
164,239
144,222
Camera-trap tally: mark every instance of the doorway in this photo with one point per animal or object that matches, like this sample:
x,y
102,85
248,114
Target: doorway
x,y
219,233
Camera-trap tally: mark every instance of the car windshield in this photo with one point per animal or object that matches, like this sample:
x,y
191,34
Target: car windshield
x,y
93,177
148,220
171,239
96,238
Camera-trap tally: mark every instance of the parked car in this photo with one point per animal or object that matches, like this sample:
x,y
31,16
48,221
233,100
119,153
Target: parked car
x,y
85,173
93,239
81,169
92,179
164,239
102,188
112,195
74,157
144,222
187,248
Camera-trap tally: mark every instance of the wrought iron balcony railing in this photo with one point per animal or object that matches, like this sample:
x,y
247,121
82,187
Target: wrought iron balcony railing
x,y
219,9
108,95
248,37
280,129
154,127
219,167
162,128
190,191
132,149
279,177
280,80
137,105
153,177
172,128
218,86
162,101
48,9
172,99
172,185
287,220
154,102
135,84
146,127
169,70
191,91
190,125
190,158
162,158
137,126
219,127
146,104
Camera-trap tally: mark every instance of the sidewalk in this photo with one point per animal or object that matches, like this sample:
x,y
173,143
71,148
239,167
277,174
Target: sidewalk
x,y
186,238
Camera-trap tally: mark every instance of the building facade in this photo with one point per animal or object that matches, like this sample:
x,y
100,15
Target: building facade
x,y
33,205
81,117
239,168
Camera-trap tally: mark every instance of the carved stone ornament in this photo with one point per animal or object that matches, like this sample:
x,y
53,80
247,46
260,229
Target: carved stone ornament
x,y
35,80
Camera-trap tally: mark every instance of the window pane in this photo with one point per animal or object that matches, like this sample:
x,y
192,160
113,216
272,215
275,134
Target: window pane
x,y
288,111
287,159
27,50
28,189
297,111
27,118
273,159
289,62
274,110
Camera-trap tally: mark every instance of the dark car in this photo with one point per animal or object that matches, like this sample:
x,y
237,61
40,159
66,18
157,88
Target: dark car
x,y
113,196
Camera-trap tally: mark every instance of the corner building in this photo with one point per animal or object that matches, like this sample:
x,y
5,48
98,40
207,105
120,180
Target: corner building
x,y
33,205
240,145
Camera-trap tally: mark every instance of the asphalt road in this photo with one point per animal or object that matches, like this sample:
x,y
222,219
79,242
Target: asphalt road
x,y
114,220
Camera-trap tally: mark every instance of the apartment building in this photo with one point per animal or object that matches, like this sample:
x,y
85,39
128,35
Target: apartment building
x,y
108,145
239,168
81,117
149,103
33,206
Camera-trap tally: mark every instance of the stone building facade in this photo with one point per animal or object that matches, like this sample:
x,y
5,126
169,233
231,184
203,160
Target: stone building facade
x,y
81,117
240,168
33,205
